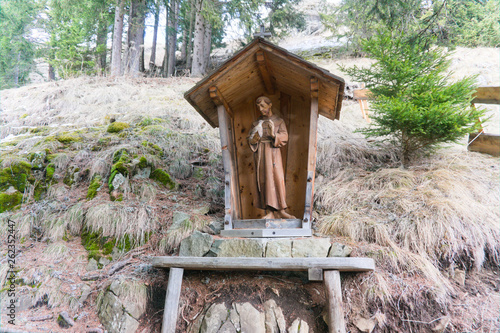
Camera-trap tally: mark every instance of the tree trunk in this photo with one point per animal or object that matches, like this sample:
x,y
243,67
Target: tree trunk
x,y
172,39
101,41
142,68
135,35
198,65
52,74
207,46
116,59
189,49
152,59
164,64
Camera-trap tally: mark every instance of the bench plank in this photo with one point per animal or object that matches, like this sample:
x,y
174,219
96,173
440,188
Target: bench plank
x,y
266,264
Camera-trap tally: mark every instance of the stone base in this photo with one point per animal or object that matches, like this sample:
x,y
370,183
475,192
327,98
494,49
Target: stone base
x,y
267,233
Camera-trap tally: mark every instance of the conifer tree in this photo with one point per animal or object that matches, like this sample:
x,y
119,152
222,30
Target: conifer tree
x,y
413,102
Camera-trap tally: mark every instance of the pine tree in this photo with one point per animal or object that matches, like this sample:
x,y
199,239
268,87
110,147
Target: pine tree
x,y
413,102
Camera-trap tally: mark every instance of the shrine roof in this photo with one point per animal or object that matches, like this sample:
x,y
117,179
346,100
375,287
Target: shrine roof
x,y
264,68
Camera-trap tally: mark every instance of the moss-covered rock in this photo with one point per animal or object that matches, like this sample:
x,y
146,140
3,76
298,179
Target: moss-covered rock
x,y
49,172
9,201
95,184
16,175
68,137
101,144
117,127
38,159
162,177
71,175
153,148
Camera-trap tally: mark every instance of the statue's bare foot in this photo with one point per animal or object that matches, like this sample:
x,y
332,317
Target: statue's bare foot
x,y
284,215
268,216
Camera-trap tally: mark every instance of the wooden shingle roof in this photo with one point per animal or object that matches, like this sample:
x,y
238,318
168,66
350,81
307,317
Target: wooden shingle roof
x,y
264,68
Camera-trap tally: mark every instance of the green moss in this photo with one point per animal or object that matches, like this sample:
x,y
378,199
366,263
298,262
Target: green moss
x,y
9,201
121,155
153,148
49,172
120,167
95,184
16,175
198,173
68,137
38,159
108,246
143,163
40,189
161,176
117,127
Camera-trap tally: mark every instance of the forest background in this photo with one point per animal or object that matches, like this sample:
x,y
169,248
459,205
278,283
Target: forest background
x,y
106,37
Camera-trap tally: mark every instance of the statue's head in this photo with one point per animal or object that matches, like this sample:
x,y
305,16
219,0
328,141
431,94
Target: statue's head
x,y
265,106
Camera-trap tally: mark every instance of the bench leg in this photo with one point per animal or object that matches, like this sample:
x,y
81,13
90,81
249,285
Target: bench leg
x,y
172,300
334,292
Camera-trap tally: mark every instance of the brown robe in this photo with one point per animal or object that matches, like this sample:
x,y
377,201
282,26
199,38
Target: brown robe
x,y
270,176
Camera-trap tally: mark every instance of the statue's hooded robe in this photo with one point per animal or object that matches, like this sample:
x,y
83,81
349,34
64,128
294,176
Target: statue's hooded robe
x,y
270,176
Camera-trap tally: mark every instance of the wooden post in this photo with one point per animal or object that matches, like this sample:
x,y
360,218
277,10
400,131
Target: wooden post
x,y
311,156
230,182
336,323
172,300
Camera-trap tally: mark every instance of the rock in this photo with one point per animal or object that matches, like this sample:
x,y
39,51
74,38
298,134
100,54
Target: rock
x,y
86,290
442,324
251,320
340,250
179,219
274,320
118,181
234,317
365,325
196,245
104,261
315,247
143,173
203,210
298,326
64,320
215,316
234,247
90,276
279,248
113,316
459,277
228,327
92,265
216,227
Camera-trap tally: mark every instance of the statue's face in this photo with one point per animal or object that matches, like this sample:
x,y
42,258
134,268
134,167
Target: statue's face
x,y
265,108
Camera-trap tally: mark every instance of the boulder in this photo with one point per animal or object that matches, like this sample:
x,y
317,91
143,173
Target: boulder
x,y
234,247
275,320
196,245
298,326
340,250
215,316
311,247
113,316
251,320
281,248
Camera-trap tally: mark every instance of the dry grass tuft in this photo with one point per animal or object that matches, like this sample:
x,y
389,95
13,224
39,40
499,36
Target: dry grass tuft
x,y
56,251
176,234
441,214
117,220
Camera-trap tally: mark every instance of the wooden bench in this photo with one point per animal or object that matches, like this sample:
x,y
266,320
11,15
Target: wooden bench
x,y
319,269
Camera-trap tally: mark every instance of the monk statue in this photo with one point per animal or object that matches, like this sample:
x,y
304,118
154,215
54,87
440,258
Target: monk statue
x,y
267,135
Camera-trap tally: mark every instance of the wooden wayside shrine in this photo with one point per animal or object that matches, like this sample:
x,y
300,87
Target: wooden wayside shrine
x,y
299,92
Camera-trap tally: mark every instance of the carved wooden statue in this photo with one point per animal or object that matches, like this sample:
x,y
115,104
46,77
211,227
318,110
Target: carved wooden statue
x,y
267,135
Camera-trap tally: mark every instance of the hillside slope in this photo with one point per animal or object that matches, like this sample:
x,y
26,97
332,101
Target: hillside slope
x,y
99,171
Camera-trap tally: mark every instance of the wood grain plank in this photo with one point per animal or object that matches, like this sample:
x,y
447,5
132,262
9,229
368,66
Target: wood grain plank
x,y
347,264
